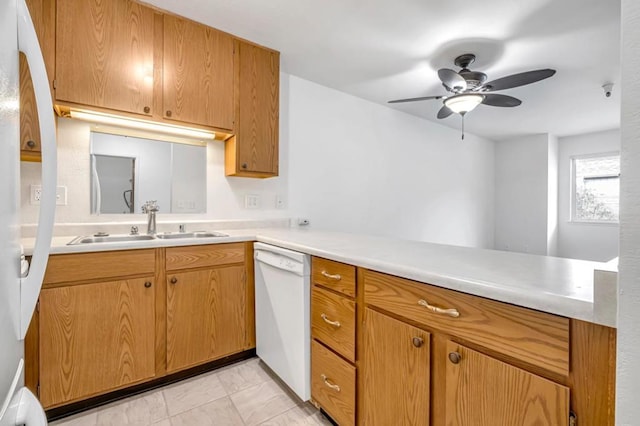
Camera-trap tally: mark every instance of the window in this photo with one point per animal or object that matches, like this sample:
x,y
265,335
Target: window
x,y
595,188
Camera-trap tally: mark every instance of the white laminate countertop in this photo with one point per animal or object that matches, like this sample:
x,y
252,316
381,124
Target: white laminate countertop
x,y
549,284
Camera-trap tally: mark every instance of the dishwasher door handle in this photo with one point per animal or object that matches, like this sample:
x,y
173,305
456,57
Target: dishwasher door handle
x,y
278,261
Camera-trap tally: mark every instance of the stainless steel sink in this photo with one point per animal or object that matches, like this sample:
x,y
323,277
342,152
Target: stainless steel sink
x,y
198,234
109,239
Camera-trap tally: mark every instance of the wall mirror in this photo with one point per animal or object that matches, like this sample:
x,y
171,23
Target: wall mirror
x,y
126,171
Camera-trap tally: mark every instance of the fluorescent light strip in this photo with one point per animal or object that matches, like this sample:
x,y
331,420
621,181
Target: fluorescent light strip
x,y
112,120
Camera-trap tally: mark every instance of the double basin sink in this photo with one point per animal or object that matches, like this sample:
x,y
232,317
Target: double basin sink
x,y
106,238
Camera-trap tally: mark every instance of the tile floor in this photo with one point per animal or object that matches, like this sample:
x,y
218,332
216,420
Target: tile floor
x,y
243,394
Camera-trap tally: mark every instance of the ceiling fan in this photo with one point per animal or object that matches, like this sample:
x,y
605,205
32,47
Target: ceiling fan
x,y
467,89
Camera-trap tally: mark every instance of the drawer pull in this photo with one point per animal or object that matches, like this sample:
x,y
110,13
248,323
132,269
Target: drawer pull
x,y
417,342
336,324
174,280
450,312
329,384
336,277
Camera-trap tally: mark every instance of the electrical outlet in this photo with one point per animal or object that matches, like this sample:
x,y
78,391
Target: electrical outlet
x,y
36,194
251,201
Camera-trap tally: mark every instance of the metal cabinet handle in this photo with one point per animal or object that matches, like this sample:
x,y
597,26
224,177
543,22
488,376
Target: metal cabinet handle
x,y
168,113
336,324
449,312
146,110
174,280
455,357
31,144
417,341
147,284
329,384
336,277
244,165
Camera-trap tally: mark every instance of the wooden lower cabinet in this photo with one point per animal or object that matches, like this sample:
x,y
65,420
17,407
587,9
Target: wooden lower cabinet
x,y
483,391
95,337
205,315
110,320
395,375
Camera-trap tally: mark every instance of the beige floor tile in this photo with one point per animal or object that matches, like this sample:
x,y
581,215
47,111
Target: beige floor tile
x,y
163,422
243,375
88,418
140,410
220,412
262,402
301,415
191,393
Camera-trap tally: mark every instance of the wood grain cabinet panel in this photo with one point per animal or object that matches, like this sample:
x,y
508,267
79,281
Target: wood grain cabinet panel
x,y
197,74
253,151
537,338
95,338
206,316
333,322
482,391
333,384
395,376
43,16
188,257
337,276
104,54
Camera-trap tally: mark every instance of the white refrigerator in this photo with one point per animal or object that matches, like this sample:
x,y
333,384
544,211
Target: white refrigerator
x,y
20,284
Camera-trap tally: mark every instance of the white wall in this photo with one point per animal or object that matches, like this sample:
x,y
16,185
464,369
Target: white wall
x,y
357,166
522,194
552,197
583,240
628,378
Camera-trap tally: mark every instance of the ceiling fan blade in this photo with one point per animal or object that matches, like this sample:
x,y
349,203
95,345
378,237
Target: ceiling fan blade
x,y
444,112
452,79
423,98
494,99
517,80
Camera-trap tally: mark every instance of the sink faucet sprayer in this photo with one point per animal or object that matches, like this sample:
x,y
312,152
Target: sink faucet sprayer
x,y
151,207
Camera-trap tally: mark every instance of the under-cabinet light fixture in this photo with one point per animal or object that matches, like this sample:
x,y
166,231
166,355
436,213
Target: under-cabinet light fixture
x,y
112,120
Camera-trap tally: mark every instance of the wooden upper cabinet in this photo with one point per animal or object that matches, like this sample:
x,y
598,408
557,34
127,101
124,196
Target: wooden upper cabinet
x,y
253,151
95,338
43,14
104,54
483,391
198,74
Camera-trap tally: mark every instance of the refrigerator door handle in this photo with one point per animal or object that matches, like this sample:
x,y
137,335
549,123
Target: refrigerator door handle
x,y
30,286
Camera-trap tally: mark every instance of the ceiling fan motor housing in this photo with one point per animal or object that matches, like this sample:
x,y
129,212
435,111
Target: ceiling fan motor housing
x,y
474,78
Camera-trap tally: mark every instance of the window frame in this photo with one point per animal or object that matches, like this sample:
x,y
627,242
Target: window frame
x,y
572,190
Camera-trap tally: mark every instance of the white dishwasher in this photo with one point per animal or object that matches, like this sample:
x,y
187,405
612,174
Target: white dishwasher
x,y
283,331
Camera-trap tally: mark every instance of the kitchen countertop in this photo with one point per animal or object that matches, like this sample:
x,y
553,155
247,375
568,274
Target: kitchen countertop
x,y
550,284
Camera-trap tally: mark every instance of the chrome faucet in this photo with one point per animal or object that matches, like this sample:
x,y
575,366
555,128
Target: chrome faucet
x,y
150,208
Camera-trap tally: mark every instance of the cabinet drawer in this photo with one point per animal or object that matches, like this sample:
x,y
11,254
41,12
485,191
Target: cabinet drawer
x,y
333,321
334,275
333,384
534,337
99,266
188,257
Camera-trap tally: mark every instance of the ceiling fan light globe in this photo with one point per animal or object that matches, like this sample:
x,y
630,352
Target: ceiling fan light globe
x,y
462,104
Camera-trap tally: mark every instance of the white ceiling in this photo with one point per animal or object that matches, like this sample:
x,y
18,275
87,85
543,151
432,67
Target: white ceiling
x,y
389,49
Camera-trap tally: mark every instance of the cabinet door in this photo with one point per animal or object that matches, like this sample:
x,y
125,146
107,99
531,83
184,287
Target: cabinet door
x,y
258,110
104,54
396,376
29,124
205,315
95,338
198,74
482,391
